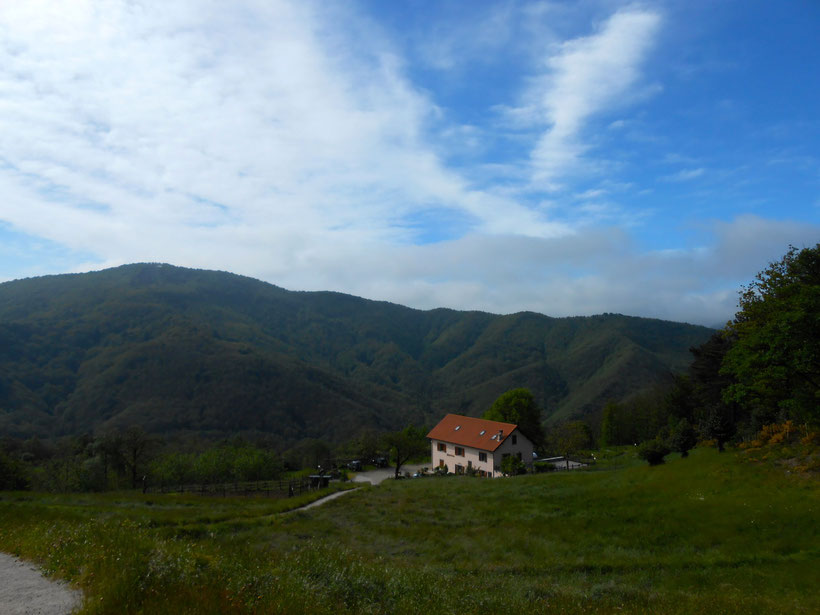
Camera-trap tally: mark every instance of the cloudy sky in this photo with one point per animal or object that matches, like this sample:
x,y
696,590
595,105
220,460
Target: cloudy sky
x,y
562,157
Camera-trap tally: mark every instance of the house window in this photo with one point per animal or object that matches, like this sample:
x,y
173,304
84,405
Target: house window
x,y
459,469
482,456
515,439
442,448
459,452
441,463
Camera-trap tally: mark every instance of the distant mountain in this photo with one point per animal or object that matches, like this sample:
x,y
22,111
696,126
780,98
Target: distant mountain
x,y
183,350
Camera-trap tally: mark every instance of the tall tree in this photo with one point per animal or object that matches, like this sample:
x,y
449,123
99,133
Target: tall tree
x,y
775,355
406,444
136,446
717,416
570,438
609,431
518,406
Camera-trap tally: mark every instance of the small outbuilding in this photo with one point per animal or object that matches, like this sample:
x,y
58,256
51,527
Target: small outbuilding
x,y
319,481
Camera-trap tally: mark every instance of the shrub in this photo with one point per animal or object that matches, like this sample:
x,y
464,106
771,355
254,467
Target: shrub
x,y
683,438
512,466
653,451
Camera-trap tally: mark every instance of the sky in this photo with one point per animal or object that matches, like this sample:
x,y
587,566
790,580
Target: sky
x,y
567,158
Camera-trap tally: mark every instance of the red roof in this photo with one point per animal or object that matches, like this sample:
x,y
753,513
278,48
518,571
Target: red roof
x,y
468,431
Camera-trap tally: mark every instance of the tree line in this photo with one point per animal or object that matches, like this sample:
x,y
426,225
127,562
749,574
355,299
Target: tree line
x,y
133,459
762,368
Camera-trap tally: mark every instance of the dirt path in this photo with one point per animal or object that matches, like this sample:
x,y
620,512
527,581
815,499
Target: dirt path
x,y
25,591
374,477
323,500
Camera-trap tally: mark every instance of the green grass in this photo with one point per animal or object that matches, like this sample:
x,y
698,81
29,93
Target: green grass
x,y
708,533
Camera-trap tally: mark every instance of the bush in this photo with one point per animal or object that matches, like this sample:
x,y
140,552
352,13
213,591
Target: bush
x,y
683,438
513,466
653,451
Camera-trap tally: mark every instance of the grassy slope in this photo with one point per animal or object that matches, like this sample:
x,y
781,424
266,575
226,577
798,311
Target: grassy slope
x,y
708,533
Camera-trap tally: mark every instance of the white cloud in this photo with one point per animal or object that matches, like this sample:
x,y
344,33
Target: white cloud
x,y
684,175
601,270
285,140
157,129
585,77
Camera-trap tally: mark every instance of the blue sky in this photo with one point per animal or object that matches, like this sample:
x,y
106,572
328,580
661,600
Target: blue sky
x,y
563,157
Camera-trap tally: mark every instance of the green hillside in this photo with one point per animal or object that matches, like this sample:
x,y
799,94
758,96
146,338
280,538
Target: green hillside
x,y
178,350
708,534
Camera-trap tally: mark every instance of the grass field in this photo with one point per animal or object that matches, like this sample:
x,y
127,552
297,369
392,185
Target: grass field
x,y
708,533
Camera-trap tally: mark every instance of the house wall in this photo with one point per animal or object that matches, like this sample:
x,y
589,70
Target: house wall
x,y
522,446
493,464
451,459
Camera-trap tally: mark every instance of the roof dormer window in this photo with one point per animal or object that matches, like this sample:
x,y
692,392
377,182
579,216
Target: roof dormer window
x,y
458,427
483,431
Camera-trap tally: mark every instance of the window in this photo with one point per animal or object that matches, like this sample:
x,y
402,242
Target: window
x,y
459,469
441,463
483,431
458,427
515,439
482,456
459,452
442,447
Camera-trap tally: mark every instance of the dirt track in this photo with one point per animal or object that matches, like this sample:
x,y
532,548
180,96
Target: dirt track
x,y
25,591
374,477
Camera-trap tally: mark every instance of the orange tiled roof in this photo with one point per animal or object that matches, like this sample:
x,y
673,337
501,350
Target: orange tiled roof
x,y
468,431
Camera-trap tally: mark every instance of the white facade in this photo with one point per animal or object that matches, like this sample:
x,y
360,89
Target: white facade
x,y
458,458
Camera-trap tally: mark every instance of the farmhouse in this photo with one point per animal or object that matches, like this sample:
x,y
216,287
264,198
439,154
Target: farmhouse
x,y
462,442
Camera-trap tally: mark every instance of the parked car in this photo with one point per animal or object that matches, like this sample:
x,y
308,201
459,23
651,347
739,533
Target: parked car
x,y
355,465
379,462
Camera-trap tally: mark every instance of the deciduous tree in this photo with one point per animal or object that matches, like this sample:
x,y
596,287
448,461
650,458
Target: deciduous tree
x,y
569,438
406,444
518,406
775,354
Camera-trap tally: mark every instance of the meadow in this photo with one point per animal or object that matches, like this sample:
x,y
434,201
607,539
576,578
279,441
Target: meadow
x,y
712,532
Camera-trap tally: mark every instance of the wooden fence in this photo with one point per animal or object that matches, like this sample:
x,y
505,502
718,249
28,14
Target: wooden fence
x,y
280,488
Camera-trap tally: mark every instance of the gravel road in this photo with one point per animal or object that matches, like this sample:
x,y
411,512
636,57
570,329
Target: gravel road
x,y
25,591
374,477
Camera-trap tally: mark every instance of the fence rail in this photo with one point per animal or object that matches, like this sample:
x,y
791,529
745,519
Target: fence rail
x,y
280,488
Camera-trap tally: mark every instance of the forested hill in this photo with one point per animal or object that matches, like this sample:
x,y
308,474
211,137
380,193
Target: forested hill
x,y
175,350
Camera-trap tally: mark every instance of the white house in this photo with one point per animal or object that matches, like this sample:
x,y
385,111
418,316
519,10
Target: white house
x,y
462,442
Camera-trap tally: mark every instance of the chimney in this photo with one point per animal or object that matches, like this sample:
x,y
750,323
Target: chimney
x,y
500,435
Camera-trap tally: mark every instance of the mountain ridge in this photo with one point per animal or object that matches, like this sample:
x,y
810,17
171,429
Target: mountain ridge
x,y
178,349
